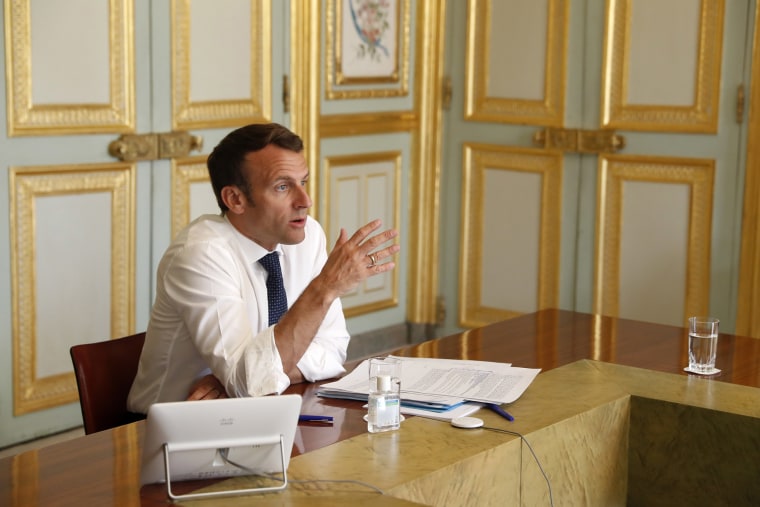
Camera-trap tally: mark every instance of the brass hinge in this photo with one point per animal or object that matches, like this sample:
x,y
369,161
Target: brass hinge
x,y
285,93
740,103
152,146
579,140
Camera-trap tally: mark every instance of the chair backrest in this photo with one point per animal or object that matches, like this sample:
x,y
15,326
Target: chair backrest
x,y
105,372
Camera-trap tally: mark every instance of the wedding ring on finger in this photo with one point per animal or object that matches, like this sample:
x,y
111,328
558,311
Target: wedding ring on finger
x,y
373,260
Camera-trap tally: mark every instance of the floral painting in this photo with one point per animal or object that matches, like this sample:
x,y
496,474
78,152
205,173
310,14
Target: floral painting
x,y
369,40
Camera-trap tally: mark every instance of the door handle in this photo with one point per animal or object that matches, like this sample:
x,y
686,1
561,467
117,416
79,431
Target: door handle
x,y
152,146
579,140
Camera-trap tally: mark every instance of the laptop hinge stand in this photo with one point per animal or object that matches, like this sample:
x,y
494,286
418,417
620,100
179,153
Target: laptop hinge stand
x,y
218,445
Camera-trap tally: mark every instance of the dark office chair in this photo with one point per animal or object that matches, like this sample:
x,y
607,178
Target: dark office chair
x,y
105,371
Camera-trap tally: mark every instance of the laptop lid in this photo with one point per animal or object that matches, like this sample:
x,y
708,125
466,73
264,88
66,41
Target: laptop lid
x,y
219,438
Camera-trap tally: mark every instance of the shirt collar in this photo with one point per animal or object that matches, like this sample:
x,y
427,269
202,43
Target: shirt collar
x,y
252,250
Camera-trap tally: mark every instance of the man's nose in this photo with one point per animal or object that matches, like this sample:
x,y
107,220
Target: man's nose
x,y
303,200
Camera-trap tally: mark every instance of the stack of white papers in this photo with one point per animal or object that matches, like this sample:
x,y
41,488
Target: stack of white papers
x,y
441,388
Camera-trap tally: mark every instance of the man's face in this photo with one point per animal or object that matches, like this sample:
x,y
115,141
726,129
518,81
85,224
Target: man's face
x,y
275,211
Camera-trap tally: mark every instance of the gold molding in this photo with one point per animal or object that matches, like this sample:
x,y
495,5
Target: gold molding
x,y
478,158
425,176
481,107
27,119
221,113
699,117
27,184
341,125
184,172
747,316
394,157
616,169
306,67
338,86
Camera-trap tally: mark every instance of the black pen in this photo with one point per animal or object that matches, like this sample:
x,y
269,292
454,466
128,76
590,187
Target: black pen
x,y
316,418
497,408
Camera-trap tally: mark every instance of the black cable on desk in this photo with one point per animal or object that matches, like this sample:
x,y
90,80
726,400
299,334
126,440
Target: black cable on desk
x,y
523,439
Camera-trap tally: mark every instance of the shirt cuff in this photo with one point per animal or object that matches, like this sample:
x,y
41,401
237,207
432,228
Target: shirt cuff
x,y
319,363
263,366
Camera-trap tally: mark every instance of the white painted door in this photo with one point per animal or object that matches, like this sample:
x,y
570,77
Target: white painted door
x,y
82,230
537,215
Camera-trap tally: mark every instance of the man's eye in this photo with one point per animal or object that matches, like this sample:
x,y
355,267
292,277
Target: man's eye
x,y
282,188
304,182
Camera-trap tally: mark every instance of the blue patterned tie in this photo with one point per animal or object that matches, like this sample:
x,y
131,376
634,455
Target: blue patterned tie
x,y
278,300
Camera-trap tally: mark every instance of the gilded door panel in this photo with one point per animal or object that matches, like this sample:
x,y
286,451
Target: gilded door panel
x,y
506,199
662,65
46,91
221,63
62,276
654,237
363,180
86,230
510,215
516,64
360,188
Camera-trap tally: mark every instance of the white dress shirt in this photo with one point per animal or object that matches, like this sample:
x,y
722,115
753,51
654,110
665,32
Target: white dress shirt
x,y
211,315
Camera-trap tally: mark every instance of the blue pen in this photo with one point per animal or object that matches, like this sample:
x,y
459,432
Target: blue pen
x,y
315,418
497,408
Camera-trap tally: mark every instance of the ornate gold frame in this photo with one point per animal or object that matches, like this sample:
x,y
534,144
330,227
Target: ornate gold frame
x,y
367,158
27,184
701,116
221,113
27,119
185,171
478,157
334,78
615,169
480,107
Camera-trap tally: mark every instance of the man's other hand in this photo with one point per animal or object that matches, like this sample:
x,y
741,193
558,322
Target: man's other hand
x,y
207,388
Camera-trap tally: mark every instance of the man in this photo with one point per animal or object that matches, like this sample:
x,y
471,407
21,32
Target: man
x,y
209,333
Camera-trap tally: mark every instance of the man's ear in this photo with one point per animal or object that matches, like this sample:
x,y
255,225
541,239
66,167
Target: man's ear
x,y
234,198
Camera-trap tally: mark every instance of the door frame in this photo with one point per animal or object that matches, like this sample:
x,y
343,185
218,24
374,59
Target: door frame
x,y
747,318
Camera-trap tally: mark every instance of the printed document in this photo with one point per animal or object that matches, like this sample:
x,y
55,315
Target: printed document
x,y
442,383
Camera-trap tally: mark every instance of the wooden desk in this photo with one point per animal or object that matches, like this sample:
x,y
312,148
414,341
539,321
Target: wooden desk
x,y
589,390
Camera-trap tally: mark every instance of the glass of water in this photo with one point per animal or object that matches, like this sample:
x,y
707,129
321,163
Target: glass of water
x,y
703,345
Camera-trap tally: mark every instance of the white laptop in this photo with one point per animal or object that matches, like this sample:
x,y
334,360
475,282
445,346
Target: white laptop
x,y
220,438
